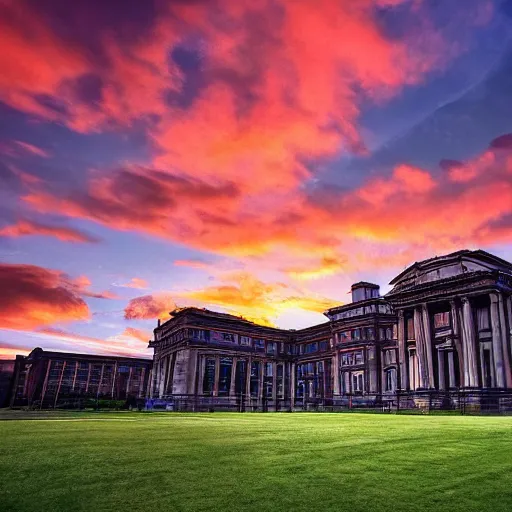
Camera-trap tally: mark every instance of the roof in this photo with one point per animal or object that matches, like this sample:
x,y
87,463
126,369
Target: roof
x,y
38,352
364,284
478,254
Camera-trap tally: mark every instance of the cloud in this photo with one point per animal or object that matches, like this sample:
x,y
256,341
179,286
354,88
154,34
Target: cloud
x,y
198,264
66,234
135,282
241,293
35,296
11,350
149,307
16,148
138,334
125,344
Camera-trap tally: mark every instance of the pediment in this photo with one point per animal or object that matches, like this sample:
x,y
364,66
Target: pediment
x,y
450,265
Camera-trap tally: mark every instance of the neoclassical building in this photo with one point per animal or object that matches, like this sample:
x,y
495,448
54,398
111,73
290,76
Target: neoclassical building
x,y
445,325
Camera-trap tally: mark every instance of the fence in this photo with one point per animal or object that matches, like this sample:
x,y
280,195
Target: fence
x,y
419,402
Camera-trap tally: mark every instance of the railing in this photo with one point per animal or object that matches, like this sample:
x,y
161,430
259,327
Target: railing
x,y
418,402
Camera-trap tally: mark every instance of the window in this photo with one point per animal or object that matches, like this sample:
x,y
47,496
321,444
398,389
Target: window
x,y
209,376
391,380
382,333
482,319
323,346
226,364
345,336
410,329
271,348
370,335
255,378
442,320
347,359
311,347
352,358
356,334
245,340
259,345
389,333
358,382
389,357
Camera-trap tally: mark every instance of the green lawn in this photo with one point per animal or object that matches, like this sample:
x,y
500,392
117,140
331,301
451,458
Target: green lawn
x,y
224,461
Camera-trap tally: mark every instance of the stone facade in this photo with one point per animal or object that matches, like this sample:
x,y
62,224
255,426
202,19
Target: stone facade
x,y
445,325
44,378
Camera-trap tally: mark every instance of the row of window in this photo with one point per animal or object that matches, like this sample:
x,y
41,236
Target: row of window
x,y
352,358
225,384
368,333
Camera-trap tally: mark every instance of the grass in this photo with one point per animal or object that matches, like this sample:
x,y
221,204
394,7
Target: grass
x,y
261,462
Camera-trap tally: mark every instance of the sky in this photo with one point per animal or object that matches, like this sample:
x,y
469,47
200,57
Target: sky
x,y
251,157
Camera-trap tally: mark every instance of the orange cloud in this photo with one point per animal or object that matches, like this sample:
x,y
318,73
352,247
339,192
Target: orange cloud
x,y
34,296
125,344
149,307
241,293
27,228
135,282
137,334
199,264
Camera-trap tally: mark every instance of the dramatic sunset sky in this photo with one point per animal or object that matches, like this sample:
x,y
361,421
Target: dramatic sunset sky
x,y
254,157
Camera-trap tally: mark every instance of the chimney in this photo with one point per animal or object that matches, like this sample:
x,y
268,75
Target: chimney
x,y
159,322
364,291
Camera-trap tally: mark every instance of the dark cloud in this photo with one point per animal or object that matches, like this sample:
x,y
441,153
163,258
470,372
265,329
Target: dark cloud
x,y
33,296
503,142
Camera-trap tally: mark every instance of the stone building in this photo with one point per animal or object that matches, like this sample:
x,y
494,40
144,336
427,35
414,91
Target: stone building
x,y
454,322
445,325
45,377
202,357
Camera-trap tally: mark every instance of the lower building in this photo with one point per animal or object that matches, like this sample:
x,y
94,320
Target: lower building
x,y
6,381
46,378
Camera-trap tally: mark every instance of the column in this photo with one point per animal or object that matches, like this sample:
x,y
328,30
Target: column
x,y
504,341
382,373
457,339
156,373
440,369
232,388
428,345
162,373
113,379
217,376
260,381
469,345
420,349
192,372
451,369
497,348
200,382
248,379
129,380
372,367
45,384
60,382
274,384
74,376
402,362
292,386
335,375
88,379
142,383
